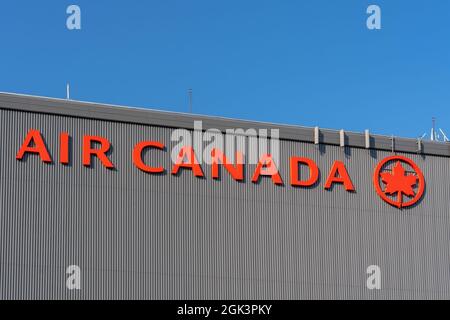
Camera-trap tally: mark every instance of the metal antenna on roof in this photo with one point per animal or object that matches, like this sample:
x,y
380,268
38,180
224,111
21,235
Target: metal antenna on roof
x,y
68,91
433,135
437,135
190,100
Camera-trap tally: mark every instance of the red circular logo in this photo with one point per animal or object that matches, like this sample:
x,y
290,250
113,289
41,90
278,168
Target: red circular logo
x,y
399,181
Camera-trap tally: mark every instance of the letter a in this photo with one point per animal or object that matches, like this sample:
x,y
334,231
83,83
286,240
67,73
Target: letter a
x,y
74,280
374,20
74,20
374,280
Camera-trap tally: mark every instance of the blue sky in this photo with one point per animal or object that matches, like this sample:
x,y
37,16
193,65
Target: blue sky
x,y
303,62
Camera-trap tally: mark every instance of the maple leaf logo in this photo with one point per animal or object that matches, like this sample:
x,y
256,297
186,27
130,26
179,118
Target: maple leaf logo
x,y
394,185
399,182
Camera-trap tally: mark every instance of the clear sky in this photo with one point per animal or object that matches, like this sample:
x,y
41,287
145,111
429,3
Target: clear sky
x,y
303,62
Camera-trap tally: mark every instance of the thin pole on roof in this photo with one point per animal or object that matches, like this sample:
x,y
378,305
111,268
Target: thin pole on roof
x,y
433,129
190,100
68,91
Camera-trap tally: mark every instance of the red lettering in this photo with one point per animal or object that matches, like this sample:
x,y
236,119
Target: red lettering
x,y
192,162
38,147
339,174
99,153
236,172
266,167
313,172
137,156
64,148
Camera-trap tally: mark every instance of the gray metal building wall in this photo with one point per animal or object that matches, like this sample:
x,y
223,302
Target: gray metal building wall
x,y
142,236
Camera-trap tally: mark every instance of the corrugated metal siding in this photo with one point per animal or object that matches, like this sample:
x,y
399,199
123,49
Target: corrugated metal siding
x,y
142,236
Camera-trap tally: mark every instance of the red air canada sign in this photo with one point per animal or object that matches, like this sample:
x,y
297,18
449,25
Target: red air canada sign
x,y
396,179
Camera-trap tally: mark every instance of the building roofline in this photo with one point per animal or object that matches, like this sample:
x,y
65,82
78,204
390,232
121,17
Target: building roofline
x,y
147,116
175,113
